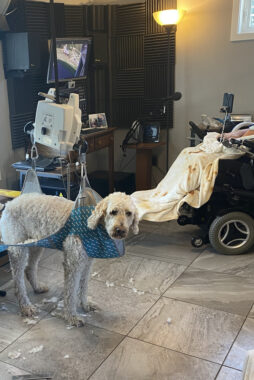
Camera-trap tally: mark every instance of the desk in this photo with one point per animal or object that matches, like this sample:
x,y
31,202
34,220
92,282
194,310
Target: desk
x,y
144,163
100,140
96,141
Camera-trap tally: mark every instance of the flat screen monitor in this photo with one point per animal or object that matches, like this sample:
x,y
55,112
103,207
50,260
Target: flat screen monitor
x,y
72,59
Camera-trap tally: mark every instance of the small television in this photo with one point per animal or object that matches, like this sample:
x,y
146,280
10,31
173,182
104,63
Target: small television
x,y
72,59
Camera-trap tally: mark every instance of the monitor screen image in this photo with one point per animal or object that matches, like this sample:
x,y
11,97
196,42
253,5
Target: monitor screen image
x,y
72,59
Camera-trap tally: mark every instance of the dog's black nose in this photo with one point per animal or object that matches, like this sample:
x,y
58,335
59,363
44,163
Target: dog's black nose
x,y
120,232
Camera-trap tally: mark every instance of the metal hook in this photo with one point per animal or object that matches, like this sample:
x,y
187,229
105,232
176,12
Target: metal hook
x,y
34,152
34,156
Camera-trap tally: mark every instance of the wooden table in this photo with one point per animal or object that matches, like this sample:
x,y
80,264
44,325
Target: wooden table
x,y
144,163
100,140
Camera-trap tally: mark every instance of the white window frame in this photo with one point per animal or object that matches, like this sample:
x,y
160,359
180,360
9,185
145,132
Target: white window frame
x,y
240,30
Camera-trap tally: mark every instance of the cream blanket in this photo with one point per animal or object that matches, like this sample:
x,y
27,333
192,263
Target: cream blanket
x,y
190,179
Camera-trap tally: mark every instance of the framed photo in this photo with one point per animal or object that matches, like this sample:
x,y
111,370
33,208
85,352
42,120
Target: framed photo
x,y
98,120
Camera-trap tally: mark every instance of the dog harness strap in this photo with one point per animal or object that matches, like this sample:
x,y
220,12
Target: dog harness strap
x,y
97,243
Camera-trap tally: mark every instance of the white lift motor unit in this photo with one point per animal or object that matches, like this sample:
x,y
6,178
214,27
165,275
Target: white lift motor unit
x,y
58,125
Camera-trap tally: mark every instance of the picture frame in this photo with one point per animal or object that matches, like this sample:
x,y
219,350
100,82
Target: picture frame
x,y
98,120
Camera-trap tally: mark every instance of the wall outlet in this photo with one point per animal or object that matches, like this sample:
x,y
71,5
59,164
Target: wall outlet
x,y
71,84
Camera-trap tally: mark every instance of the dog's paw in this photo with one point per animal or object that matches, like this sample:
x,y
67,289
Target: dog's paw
x,y
76,320
28,310
89,307
41,289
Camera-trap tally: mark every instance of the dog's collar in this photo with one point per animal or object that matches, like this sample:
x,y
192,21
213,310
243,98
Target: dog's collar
x,y
97,243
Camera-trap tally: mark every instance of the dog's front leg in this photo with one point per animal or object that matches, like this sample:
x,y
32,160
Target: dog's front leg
x,y
84,285
18,260
74,262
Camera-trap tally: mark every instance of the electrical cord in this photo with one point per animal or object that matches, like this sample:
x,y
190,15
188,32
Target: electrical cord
x,y
131,134
127,164
160,170
61,165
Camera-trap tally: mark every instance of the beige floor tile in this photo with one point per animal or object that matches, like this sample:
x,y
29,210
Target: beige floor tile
x,y
229,374
119,308
54,261
193,330
239,265
12,324
145,226
85,348
142,361
138,273
164,251
7,371
251,315
5,274
214,290
243,343
176,235
163,229
49,252
169,228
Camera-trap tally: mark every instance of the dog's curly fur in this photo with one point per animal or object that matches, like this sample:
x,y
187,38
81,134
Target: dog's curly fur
x,y
35,216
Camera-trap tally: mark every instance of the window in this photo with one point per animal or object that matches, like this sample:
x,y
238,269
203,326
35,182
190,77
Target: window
x,y
242,26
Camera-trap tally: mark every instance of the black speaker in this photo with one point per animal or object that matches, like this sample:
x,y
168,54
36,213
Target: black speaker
x,y
21,52
100,49
20,95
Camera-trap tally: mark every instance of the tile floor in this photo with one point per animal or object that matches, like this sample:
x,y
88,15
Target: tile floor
x,y
165,311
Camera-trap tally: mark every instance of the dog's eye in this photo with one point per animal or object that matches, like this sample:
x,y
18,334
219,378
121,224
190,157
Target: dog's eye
x,y
128,213
113,212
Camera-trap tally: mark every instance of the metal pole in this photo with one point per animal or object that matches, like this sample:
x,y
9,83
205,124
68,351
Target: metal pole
x,y
170,87
167,95
53,47
68,181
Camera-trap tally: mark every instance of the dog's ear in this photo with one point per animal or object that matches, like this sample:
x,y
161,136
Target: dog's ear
x,y
98,213
135,222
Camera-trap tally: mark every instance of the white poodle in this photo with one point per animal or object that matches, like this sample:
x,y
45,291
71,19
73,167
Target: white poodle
x,y
35,216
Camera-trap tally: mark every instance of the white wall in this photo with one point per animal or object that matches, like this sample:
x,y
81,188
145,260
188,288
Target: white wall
x,y
8,177
207,65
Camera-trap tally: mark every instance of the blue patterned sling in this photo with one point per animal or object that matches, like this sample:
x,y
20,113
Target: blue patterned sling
x,y
97,243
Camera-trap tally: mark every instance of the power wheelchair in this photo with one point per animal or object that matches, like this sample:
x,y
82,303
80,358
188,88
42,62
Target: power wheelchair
x,y
226,221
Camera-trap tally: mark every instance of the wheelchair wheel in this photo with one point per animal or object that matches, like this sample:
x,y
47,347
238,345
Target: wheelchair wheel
x,y
232,233
197,242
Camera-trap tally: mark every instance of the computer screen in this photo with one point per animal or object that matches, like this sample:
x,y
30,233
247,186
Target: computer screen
x,y
72,59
